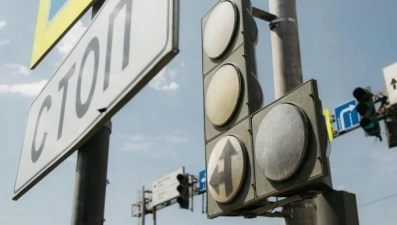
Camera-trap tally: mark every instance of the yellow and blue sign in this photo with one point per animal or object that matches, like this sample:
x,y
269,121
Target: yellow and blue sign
x,y
327,118
55,18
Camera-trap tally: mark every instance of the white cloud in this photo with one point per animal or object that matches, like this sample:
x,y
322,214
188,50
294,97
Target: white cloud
x,y
165,79
161,82
27,89
3,23
161,144
17,69
70,39
4,41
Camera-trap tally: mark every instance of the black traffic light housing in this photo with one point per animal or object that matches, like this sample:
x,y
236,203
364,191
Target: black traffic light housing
x,y
183,190
366,108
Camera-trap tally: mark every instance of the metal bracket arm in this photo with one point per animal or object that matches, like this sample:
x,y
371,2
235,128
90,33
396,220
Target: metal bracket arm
x,y
263,15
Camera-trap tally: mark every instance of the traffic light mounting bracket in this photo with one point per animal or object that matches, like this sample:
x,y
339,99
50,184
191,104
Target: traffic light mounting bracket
x,y
265,208
263,15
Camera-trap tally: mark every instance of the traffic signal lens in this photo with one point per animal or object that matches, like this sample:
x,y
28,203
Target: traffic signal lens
x,y
361,94
182,178
364,109
281,142
226,169
370,126
223,95
182,190
220,30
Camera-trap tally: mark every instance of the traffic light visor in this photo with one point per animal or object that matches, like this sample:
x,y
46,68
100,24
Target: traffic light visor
x,y
182,178
361,94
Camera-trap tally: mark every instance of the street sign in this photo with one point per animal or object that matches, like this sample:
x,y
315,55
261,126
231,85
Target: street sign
x,y
327,118
54,19
164,188
226,169
346,115
121,51
202,181
390,75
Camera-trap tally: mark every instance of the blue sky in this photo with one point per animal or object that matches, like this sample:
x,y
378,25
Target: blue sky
x,y
344,44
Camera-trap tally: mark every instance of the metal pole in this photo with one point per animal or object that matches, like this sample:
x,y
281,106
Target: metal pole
x,y
143,206
285,44
90,186
91,173
288,75
154,216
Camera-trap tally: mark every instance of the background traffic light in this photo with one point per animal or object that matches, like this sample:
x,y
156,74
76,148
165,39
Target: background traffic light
x,y
231,94
291,144
366,108
183,189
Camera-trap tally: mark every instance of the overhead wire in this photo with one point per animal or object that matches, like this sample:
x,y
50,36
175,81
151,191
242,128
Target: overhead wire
x,y
378,200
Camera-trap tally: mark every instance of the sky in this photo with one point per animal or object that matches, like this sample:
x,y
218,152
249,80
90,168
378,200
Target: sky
x,y
344,45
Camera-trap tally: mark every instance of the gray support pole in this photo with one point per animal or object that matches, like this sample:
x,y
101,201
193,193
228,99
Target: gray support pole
x,y
143,206
287,76
91,173
90,184
285,44
154,216
326,208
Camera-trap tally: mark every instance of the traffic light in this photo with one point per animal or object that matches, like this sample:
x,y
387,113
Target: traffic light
x,y
231,94
366,108
291,145
183,189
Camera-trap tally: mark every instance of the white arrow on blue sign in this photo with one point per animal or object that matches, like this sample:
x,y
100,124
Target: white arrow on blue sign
x,y
346,115
202,181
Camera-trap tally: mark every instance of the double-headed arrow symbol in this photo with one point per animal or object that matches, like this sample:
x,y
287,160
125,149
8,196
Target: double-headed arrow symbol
x,y
224,176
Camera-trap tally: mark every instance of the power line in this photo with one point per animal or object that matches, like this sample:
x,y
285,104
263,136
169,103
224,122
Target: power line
x,y
378,200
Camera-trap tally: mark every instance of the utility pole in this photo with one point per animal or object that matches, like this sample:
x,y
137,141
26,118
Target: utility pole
x,y
288,75
285,44
143,206
91,172
325,209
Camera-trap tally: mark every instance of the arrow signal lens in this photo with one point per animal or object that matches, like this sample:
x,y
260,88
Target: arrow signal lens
x,y
226,169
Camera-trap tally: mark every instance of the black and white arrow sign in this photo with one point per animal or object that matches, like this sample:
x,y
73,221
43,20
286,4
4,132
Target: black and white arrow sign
x,y
226,167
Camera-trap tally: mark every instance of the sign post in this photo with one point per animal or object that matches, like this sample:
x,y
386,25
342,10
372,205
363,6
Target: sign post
x,y
91,172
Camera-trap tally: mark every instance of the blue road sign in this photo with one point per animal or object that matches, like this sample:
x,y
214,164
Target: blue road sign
x,y
202,181
346,115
